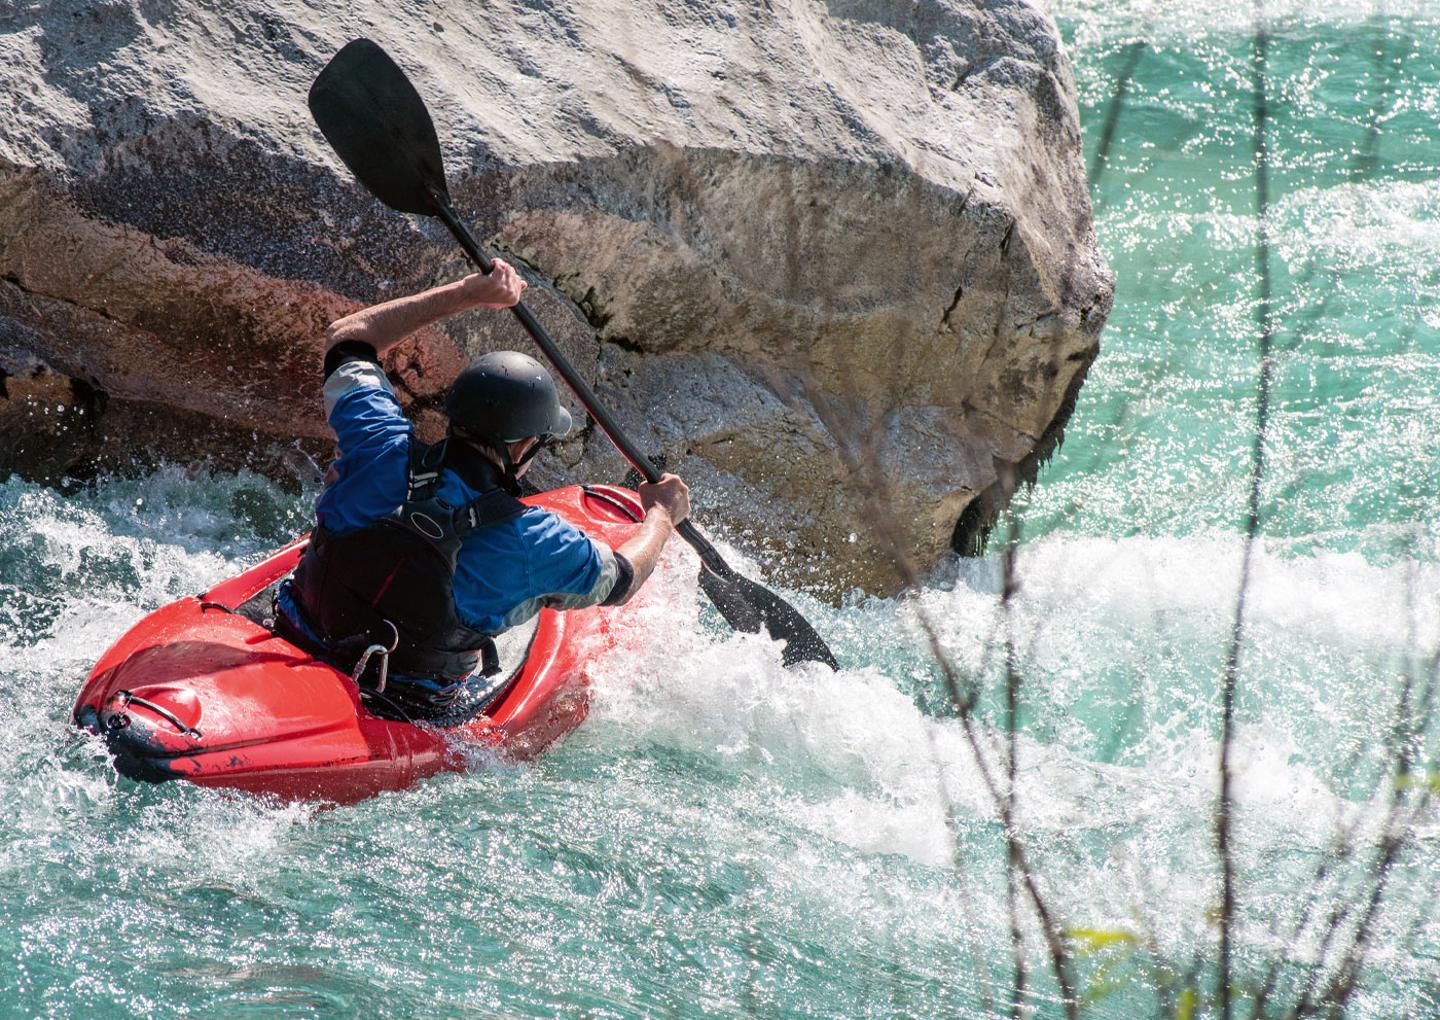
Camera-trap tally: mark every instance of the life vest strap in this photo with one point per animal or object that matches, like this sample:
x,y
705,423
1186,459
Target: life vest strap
x,y
395,578
427,515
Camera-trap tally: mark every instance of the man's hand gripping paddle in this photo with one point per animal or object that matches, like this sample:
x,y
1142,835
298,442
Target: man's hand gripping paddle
x,y
379,126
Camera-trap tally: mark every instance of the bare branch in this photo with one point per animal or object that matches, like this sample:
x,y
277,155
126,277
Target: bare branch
x,y
1225,809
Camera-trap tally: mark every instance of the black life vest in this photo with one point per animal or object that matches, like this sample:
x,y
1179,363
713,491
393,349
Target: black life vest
x,y
400,571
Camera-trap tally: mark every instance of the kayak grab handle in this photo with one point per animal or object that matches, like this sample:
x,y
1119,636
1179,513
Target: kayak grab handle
x,y
384,653
624,508
128,698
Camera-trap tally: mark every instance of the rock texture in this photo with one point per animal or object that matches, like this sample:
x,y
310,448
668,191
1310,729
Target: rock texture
x,y
772,233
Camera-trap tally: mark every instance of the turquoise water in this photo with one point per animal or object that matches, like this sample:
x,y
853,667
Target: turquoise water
x,y
725,838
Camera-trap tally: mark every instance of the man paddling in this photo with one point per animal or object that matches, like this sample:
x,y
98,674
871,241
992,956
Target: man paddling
x,y
426,550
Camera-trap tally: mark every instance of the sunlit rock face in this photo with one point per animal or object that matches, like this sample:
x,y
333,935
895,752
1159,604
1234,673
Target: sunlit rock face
x,y
794,245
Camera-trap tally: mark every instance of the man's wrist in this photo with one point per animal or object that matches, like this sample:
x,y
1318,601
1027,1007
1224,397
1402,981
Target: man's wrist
x,y
460,298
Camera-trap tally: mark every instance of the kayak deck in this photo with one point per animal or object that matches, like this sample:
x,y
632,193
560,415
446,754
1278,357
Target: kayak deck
x,y
199,691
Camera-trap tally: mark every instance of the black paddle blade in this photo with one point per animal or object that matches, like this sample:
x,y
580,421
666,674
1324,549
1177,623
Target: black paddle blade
x,y
379,127
749,607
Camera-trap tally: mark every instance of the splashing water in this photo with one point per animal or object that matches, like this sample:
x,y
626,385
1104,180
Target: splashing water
x,y
725,837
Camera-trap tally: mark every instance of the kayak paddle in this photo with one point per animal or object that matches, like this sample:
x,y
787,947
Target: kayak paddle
x,y
380,128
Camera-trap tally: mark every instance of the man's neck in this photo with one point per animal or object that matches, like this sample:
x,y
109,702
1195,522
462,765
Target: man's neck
x,y
476,467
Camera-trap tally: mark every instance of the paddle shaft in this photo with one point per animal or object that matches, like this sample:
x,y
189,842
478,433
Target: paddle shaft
x,y
691,534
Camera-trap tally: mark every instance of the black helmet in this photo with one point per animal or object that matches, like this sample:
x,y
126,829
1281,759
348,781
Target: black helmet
x,y
506,396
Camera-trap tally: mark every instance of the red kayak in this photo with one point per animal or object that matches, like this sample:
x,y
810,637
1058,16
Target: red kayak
x,y
200,690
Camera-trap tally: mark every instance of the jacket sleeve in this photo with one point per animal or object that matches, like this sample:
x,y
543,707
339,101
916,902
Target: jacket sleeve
x,y
368,479
566,568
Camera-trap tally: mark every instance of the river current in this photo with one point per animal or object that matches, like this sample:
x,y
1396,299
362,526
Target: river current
x,y
727,838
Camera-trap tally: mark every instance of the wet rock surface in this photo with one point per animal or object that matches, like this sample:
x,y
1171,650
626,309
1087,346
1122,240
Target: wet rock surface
x,y
799,247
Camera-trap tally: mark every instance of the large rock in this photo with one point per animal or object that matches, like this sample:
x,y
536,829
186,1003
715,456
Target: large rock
x,y
795,244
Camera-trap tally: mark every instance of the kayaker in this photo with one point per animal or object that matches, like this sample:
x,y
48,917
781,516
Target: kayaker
x,y
427,549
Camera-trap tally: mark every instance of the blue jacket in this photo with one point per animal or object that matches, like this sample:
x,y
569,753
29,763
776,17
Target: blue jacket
x,y
505,573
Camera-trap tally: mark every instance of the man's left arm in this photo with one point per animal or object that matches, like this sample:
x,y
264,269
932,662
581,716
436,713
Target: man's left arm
x,y
568,570
577,571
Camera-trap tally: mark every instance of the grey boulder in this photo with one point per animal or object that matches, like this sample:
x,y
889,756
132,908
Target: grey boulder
x,y
834,261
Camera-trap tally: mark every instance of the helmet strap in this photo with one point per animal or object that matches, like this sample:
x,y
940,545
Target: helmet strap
x,y
509,470
540,444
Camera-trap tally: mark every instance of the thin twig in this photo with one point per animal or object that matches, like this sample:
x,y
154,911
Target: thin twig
x,y
1101,158
1012,768
1392,842
863,466
1225,810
